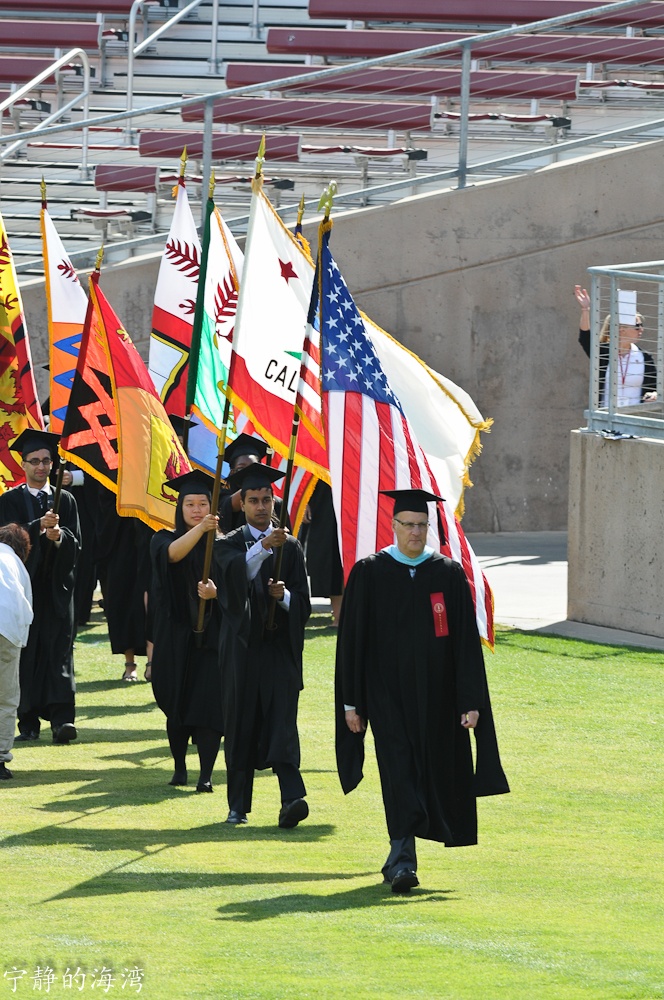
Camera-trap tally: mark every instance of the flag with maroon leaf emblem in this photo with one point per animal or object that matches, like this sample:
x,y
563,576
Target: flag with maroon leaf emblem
x,y
174,307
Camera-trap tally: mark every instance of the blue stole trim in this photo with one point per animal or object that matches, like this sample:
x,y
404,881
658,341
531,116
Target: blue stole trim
x,y
398,556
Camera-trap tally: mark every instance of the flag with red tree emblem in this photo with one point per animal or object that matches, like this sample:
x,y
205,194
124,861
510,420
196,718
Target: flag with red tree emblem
x,y
174,307
19,405
67,306
149,451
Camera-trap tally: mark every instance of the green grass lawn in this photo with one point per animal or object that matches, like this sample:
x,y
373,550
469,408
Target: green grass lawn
x,y
104,866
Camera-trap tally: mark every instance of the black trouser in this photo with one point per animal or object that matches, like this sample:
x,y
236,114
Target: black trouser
x,y
402,855
240,785
57,714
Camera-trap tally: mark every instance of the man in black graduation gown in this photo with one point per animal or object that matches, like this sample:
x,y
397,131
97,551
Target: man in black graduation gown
x,y
46,671
261,668
409,661
244,451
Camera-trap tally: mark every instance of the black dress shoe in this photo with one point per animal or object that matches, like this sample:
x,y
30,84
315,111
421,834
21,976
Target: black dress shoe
x,y
65,733
5,773
179,778
204,786
236,818
27,737
404,880
292,812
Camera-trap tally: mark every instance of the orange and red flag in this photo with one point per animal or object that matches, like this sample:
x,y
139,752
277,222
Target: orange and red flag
x,y
149,452
19,405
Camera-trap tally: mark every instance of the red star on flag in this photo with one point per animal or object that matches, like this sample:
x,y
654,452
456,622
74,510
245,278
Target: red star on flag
x,y
287,270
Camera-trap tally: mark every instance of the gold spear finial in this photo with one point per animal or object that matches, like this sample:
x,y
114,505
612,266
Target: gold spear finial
x,y
260,157
43,192
183,161
326,199
100,257
300,211
213,181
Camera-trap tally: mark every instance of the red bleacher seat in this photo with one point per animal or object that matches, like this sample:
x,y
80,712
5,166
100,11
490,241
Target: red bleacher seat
x,y
299,113
367,44
51,34
92,7
225,146
479,11
22,69
441,82
121,177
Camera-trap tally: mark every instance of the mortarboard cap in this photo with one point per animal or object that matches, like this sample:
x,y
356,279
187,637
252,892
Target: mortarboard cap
x,y
191,482
256,477
34,440
245,444
177,423
415,500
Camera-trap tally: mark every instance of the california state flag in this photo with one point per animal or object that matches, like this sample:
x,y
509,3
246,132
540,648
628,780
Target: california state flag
x,y
149,450
269,334
174,307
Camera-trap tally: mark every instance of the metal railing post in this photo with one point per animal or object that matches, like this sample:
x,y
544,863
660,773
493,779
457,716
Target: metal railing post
x,y
207,155
214,44
255,20
593,382
465,111
133,13
660,338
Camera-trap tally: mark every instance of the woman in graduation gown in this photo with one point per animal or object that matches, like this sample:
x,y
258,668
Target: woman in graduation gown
x,y
186,678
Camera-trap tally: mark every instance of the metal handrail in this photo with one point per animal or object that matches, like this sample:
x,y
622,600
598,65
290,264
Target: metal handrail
x,y
26,89
135,50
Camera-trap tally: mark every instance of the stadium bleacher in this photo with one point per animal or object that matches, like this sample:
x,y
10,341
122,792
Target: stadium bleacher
x,y
362,127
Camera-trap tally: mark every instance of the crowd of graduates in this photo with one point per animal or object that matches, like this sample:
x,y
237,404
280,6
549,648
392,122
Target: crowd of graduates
x,y
218,605
151,585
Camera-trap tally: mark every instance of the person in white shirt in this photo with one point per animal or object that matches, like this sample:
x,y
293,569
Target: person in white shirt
x,y
15,620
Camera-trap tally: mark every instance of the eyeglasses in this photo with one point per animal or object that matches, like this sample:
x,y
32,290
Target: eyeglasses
x,y
413,525
34,462
638,326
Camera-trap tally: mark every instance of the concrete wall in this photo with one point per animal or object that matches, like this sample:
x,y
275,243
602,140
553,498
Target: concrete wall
x,y
480,284
616,533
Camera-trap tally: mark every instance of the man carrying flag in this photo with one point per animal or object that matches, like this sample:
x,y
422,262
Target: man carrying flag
x,y
46,671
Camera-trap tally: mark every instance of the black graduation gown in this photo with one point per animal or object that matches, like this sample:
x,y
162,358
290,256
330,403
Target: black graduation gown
x,y
261,672
47,662
186,677
326,573
121,542
87,503
413,686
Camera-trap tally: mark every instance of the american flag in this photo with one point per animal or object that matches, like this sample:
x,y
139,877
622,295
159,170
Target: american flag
x,y
371,446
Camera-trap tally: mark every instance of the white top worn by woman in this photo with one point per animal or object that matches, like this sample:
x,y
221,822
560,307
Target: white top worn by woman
x,y
15,598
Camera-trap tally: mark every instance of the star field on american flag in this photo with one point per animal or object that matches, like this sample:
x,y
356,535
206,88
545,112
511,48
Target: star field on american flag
x,y
350,363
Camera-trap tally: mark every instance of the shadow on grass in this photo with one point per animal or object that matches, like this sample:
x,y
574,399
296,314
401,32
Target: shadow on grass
x,y
316,630
254,910
141,841
595,652
101,711
118,882
111,684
